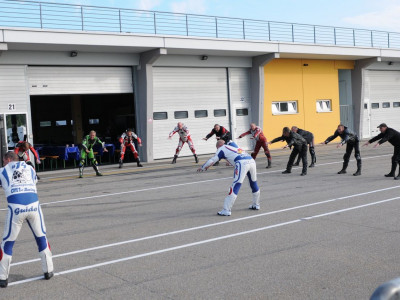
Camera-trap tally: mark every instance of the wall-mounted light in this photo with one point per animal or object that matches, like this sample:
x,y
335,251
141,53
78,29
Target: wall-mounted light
x,y
305,65
74,54
204,57
390,63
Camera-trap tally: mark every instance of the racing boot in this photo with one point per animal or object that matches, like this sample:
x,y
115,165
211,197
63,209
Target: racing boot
x,y
138,162
48,275
121,163
96,169
313,161
392,172
3,283
196,158
358,172
343,170
398,176
269,164
81,171
174,160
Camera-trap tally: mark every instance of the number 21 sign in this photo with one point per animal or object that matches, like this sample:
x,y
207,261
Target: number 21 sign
x,y
11,106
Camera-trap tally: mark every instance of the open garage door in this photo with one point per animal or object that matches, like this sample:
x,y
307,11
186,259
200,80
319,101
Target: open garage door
x,y
68,102
79,80
197,97
382,101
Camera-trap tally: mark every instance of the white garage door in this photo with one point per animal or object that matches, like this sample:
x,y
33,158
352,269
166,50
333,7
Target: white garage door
x,y
79,80
202,93
13,89
382,99
239,83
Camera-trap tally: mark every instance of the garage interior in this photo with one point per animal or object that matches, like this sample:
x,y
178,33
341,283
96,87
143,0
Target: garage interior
x,y
66,119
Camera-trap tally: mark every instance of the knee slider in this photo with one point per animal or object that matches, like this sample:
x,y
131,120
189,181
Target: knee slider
x,y
236,188
41,243
8,246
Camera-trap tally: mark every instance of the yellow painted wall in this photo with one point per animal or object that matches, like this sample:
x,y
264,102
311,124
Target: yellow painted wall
x,y
305,81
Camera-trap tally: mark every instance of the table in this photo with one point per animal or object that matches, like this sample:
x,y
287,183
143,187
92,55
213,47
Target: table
x,y
62,152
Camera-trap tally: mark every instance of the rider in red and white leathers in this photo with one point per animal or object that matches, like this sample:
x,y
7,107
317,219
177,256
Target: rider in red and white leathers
x,y
184,137
126,140
244,166
261,141
22,149
19,183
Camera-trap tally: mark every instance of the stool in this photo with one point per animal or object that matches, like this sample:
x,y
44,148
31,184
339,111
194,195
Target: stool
x,y
52,158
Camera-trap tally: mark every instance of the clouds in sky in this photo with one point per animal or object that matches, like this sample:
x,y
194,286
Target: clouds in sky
x,y
189,6
149,4
385,17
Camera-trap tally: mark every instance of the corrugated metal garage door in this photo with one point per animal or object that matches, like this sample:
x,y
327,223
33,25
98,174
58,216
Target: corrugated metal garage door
x,y
79,80
382,89
13,89
191,90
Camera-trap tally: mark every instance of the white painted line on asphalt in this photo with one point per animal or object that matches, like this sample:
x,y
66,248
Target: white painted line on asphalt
x,y
204,241
207,225
173,185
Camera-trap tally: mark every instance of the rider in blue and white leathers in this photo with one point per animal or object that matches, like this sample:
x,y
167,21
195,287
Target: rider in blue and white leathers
x,y
244,165
19,183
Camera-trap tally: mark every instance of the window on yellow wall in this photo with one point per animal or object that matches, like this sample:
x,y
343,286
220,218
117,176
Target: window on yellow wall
x,y
324,105
284,107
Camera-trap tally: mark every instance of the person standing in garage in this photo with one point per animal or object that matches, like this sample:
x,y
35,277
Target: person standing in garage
x,y
261,141
309,137
351,139
392,136
87,150
184,137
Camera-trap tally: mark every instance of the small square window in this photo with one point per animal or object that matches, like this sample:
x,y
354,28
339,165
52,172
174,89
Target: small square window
x,y
396,104
45,123
242,112
200,113
181,114
160,115
284,107
94,121
324,105
374,105
219,112
385,104
61,123
365,105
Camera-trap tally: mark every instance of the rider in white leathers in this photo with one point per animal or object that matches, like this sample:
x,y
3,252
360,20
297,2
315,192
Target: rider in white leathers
x,y
244,165
19,183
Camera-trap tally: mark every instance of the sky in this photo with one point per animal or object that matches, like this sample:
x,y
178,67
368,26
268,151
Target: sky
x,y
368,14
